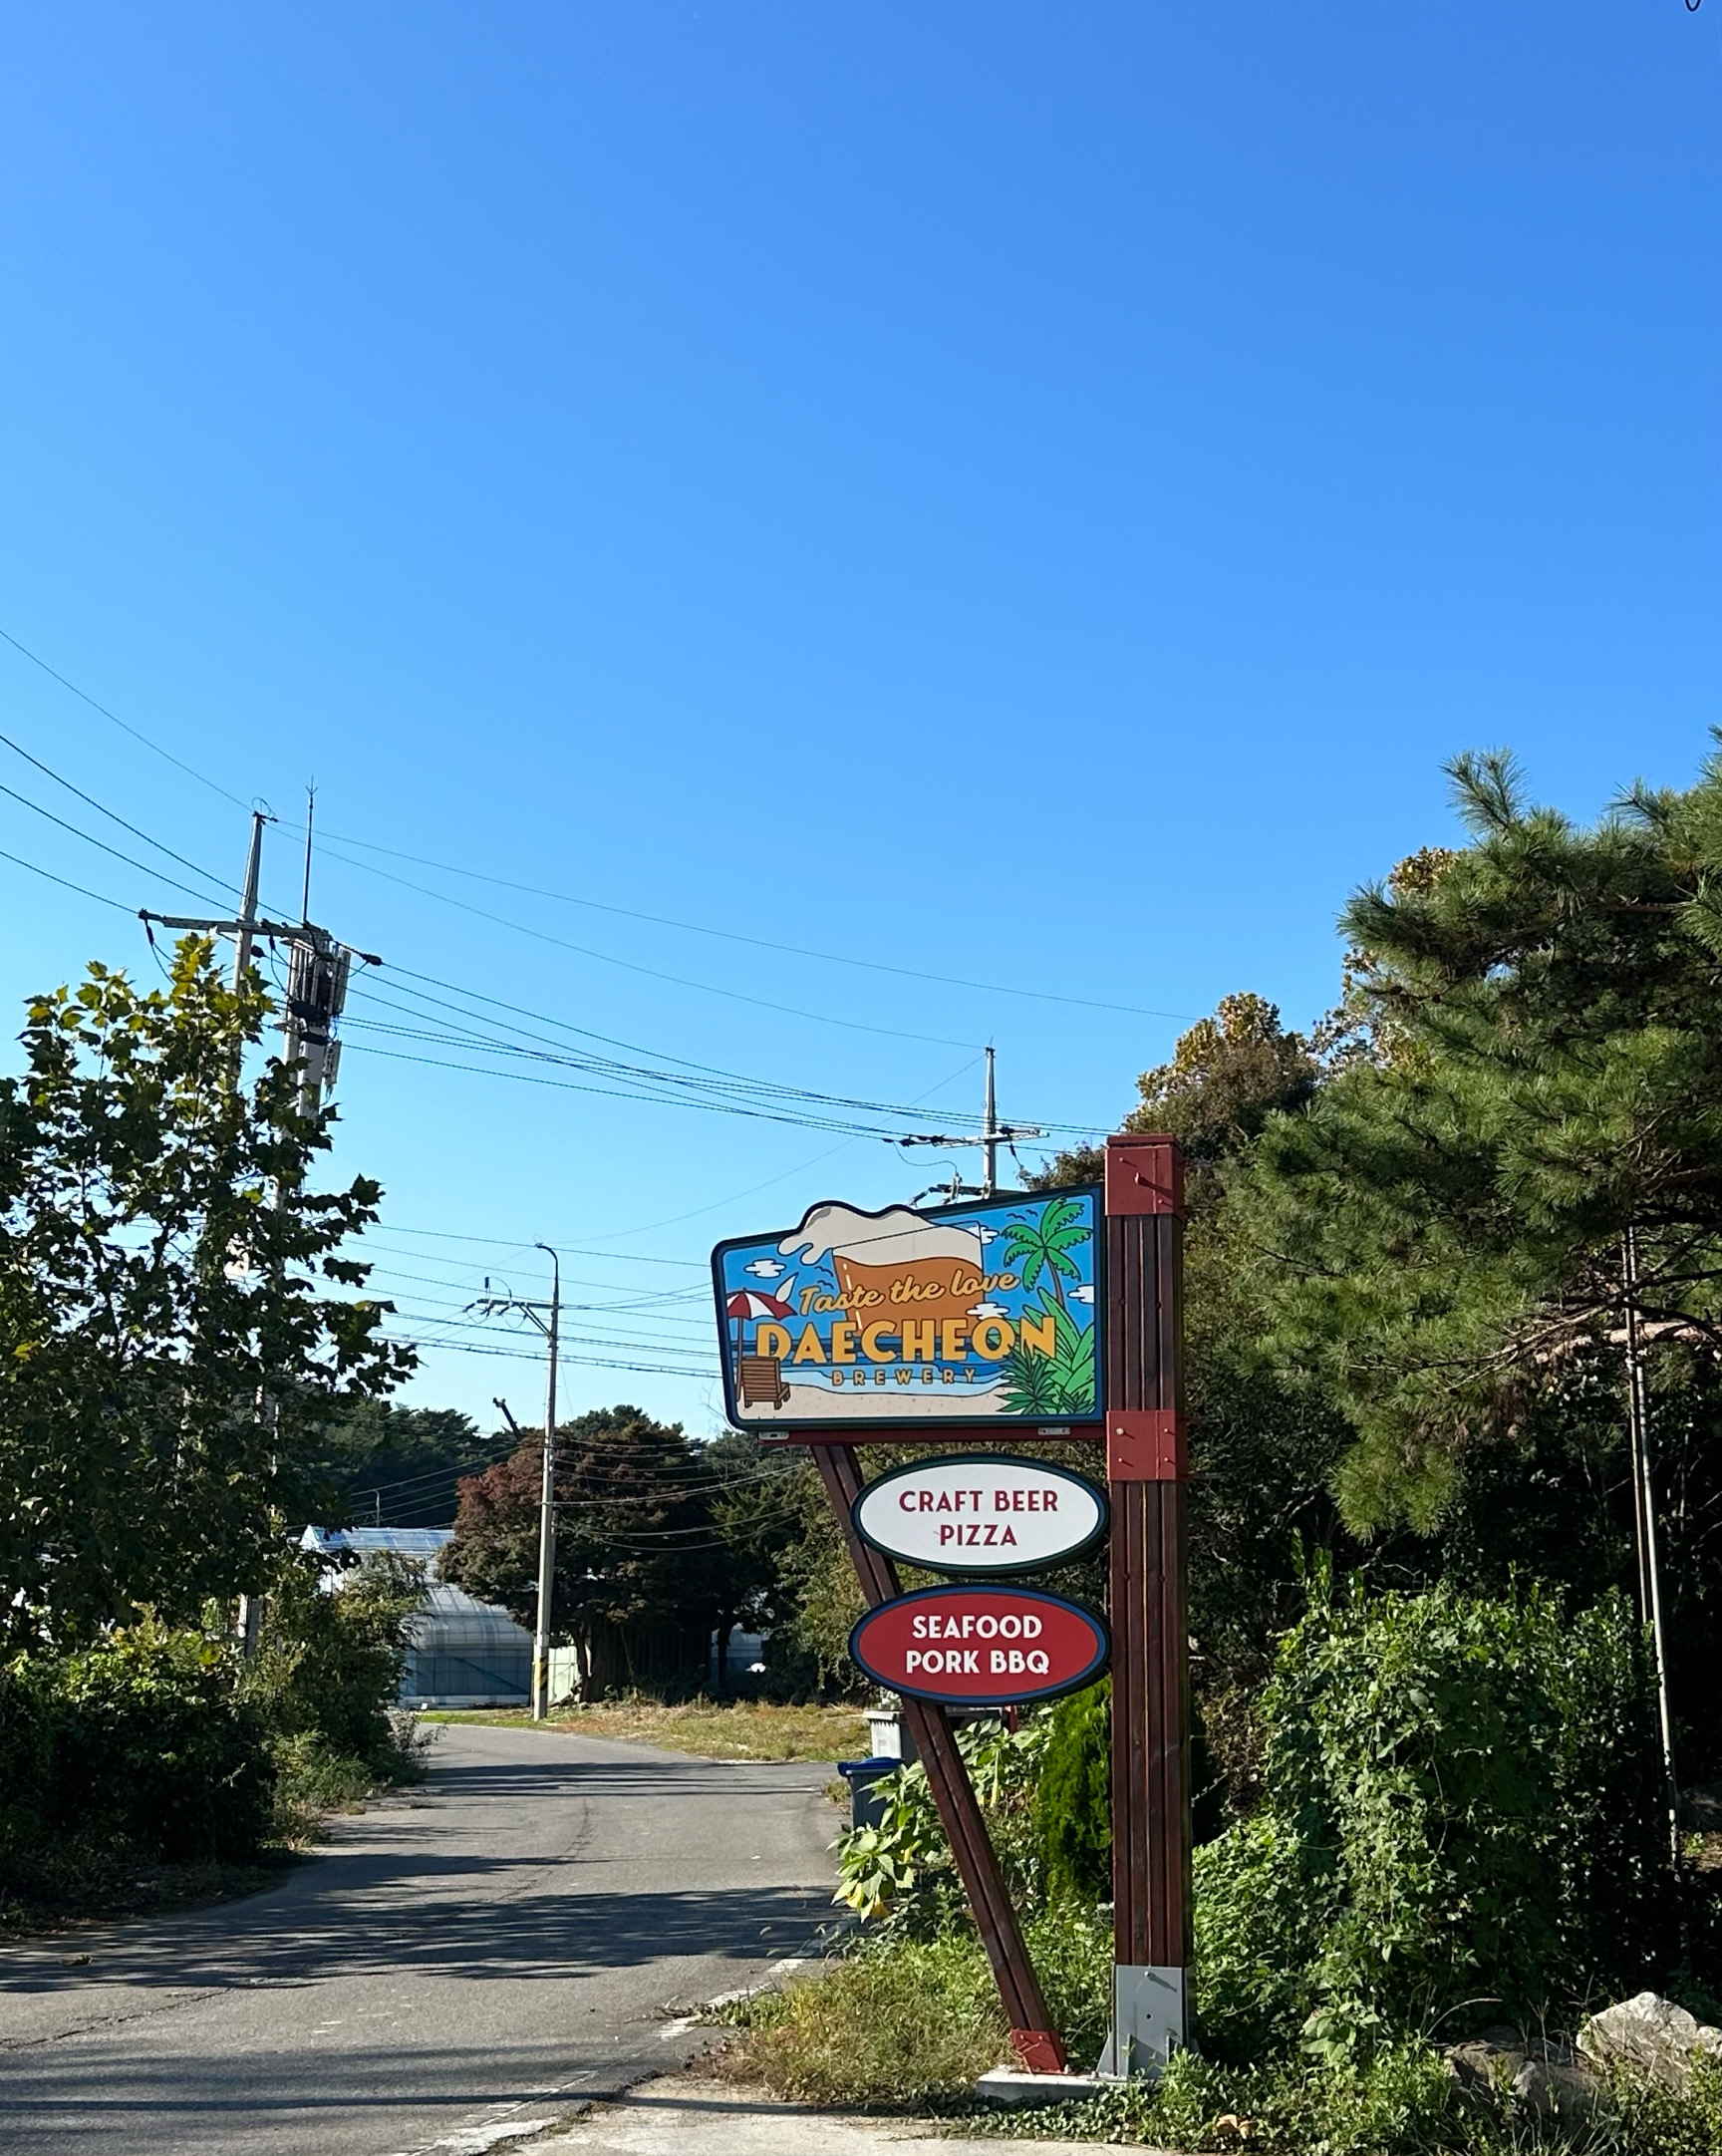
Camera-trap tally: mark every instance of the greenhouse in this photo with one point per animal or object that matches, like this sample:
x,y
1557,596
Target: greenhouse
x,y
460,1652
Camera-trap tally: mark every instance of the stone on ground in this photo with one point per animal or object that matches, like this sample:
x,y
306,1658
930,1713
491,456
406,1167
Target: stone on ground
x,y
1653,2036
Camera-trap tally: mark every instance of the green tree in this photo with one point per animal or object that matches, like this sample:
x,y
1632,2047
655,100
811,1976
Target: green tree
x,y
1263,1447
395,1466
653,1533
1227,1075
1440,1234
175,1309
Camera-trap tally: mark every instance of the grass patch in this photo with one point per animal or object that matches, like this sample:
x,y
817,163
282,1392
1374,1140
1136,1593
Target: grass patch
x,y
890,2025
708,1728
896,2023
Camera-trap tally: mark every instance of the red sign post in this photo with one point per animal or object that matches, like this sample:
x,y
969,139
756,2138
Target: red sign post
x,y
1147,1466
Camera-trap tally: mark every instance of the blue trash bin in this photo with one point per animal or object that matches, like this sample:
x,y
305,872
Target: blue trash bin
x,y
865,1809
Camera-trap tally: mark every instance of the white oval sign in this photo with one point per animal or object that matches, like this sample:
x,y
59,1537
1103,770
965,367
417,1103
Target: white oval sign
x,y
983,1513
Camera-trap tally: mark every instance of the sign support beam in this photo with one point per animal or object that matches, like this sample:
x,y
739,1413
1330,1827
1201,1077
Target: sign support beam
x,y
1147,1469
1031,2036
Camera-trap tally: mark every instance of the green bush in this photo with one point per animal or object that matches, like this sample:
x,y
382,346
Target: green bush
x,y
325,1673
902,1870
139,1744
1462,1823
1073,1800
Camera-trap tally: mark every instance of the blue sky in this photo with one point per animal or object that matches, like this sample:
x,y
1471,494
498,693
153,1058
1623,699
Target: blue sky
x,y
1024,495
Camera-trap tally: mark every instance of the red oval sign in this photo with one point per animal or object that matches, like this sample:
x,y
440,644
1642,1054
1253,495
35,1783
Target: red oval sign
x,y
980,1645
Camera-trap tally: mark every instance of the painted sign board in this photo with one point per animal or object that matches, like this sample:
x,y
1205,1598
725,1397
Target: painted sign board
x,y
980,1314
971,1645
984,1513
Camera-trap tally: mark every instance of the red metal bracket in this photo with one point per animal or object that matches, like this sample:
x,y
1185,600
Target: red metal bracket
x,y
1040,2050
1144,1175
1146,1444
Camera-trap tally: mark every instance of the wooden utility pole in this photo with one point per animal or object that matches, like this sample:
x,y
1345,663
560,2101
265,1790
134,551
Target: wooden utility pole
x,y
1146,1467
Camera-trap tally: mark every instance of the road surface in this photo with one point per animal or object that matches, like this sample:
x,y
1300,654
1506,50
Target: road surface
x,y
523,1926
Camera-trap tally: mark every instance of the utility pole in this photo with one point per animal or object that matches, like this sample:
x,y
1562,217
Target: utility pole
x,y
1644,1517
248,903
992,1135
317,971
324,968
489,1304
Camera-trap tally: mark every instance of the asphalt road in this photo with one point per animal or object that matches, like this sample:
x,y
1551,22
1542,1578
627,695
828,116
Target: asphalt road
x,y
521,1926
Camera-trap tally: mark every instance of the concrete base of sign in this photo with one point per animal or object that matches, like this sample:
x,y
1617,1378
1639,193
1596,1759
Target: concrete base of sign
x,y
1013,2091
1149,2020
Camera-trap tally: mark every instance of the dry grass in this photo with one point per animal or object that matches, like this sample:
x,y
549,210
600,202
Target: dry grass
x,y
709,1728
890,2027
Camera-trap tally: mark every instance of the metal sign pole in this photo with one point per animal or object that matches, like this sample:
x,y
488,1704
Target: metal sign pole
x,y
1146,1469
1031,2036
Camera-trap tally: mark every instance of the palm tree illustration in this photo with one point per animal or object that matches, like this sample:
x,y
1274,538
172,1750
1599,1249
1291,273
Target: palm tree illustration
x,y
1041,1243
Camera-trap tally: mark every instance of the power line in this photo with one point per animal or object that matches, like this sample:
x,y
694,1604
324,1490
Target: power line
x,y
89,800
155,747
697,1070
569,898
710,1076
635,1302
729,935
499,1242
65,882
650,973
101,846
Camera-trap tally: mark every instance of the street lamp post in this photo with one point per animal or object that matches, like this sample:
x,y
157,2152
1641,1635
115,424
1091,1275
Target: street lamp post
x,y
490,1303
547,1508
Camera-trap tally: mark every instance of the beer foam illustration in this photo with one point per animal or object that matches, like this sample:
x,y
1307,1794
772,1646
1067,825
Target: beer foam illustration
x,y
897,1237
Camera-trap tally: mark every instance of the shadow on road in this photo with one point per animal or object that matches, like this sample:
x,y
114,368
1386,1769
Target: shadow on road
x,y
420,1894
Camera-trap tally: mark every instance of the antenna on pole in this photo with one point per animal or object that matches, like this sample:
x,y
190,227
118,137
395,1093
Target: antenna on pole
x,y
990,1133
310,820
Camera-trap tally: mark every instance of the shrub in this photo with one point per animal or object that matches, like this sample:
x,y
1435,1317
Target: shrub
x,y
1462,1819
1073,1801
139,1744
902,1870
327,1671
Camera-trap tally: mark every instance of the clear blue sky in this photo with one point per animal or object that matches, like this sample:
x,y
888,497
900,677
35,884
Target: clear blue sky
x,y
1024,493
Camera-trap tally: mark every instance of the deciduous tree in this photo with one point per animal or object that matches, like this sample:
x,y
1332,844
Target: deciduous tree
x,y
175,1309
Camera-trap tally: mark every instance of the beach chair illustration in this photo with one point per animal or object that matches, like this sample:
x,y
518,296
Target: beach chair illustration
x,y
762,1378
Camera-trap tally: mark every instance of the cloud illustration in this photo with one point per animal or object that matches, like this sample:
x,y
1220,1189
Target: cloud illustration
x,y
988,1310
985,1234
764,1268
1084,1294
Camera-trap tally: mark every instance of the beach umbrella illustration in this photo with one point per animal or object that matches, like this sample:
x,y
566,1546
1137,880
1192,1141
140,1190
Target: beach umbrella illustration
x,y
752,1303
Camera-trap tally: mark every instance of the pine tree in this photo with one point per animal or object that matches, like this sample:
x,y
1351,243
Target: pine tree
x,y
1438,1235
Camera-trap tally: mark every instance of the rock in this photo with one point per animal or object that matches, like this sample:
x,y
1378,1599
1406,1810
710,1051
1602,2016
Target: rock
x,y
1701,1808
1549,2080
1653,2036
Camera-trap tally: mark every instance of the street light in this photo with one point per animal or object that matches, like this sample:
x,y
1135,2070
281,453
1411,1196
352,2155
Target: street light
x,y
490,1303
